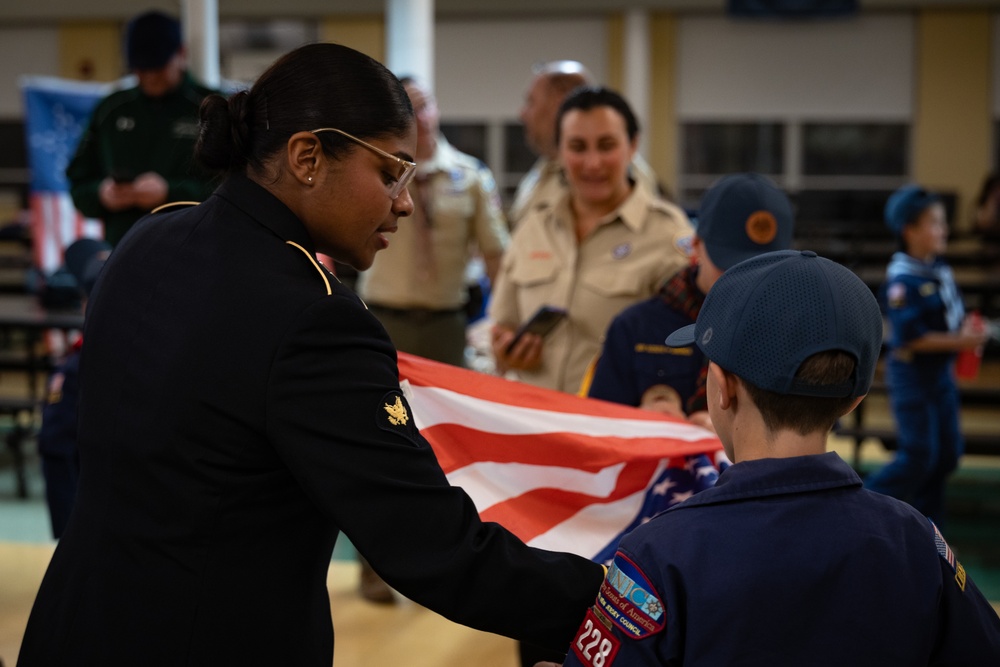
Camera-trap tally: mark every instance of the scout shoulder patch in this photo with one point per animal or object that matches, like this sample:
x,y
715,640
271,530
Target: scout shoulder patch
x,y
392,413
595,643
629,600
896,295
948,556
684,243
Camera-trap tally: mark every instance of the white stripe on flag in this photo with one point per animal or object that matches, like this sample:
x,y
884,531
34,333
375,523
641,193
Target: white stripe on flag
x,y
433,406
489,483
589,530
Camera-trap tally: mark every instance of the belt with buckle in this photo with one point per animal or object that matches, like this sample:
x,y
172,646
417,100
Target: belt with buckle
x,y
421,314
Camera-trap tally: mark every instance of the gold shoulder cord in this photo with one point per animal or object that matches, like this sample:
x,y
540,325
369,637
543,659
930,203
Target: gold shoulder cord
x,y
312,259
172,204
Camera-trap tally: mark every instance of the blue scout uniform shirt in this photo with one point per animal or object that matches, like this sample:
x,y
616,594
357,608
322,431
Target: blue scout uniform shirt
x,y
634,357
57,435
919,298
787,562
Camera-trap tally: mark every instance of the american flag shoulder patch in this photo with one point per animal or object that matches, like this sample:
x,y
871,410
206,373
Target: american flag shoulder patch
x,y
942,547
949,557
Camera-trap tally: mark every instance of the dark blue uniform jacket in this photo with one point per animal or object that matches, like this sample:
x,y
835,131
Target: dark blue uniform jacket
x,y
239,409
788,562
634,357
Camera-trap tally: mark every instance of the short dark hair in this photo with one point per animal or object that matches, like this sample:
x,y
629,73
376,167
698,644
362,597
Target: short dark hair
x,y
586,98
807,414
151,40
317,85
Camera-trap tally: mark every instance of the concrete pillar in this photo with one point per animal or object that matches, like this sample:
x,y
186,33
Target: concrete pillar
x,y
636,62
409,43
200,21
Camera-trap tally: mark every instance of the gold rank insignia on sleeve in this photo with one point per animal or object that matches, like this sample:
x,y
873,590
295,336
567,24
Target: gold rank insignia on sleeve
x,y
960,577
397,412
393,414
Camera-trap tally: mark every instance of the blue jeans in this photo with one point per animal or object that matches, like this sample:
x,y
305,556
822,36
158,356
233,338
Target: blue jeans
x,y
925,405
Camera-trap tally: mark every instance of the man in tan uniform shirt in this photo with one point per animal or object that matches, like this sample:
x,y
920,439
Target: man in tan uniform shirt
x,y
417,286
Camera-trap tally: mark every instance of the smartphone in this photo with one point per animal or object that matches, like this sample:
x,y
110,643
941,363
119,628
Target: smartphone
x,y
122,176
541,323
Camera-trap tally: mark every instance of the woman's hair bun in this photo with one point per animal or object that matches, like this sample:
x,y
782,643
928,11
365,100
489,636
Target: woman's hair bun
x,y
223,138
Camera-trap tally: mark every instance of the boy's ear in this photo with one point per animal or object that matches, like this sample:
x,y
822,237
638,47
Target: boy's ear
x,y
726,383
855,404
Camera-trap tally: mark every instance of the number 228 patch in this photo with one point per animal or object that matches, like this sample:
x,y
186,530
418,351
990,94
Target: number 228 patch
x,y
595,644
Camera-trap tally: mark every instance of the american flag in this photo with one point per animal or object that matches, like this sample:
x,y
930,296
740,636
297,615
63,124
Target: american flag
x,y
57,111
561,472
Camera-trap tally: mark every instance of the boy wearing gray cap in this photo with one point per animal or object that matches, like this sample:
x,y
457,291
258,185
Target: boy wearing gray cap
x,y
741,215
787,560
137,152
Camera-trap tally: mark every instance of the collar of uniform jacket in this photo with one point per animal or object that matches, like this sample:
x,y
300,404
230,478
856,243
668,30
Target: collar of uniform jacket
x,y
762,478
262,206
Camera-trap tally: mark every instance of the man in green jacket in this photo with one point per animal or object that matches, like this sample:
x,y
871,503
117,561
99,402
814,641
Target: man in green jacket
x,y
137,151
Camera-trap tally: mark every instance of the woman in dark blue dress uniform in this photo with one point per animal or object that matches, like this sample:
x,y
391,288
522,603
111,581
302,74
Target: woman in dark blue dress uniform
x,y
240,408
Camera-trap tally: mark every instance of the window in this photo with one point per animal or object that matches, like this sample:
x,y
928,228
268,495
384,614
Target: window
x,y
723,148
832,170
711,150
858,149
469,138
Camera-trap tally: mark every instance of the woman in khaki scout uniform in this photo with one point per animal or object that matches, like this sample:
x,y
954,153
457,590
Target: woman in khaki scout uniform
x,y
240,408
608,243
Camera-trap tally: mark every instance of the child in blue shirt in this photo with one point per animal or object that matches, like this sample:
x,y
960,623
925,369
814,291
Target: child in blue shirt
x,y
927,328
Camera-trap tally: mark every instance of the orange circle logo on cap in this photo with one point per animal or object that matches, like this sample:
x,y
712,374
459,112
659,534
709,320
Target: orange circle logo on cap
x,y
762,227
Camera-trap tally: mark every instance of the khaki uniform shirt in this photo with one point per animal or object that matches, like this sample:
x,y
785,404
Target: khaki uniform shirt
x,y
465,213
544,184
624,260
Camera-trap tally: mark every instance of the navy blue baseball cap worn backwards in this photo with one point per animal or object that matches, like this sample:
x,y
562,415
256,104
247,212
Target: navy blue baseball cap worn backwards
x,y
764,317
151,40
905,205
743,215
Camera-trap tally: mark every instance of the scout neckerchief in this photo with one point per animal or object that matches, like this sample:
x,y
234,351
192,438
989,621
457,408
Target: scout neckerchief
x,y
938,271
681,294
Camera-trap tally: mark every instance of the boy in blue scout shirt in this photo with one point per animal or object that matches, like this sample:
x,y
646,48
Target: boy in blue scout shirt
x,y
57,437
741,215
927,328
788,560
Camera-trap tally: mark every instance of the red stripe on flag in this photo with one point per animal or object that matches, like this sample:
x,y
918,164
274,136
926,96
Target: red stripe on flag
x,y
458,446
537,511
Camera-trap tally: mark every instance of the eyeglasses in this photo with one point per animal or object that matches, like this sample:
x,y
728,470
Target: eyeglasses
x,y
406,168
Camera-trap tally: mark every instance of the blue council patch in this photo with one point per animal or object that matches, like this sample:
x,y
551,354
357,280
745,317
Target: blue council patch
x,y
628,598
